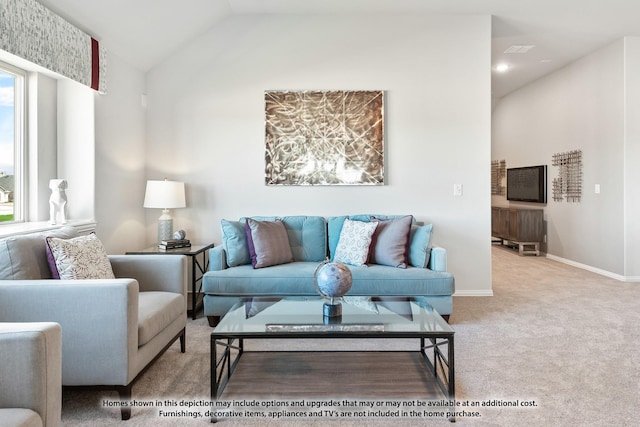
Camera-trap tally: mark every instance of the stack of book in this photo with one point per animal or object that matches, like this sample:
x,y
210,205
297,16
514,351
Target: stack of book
x,y
169,244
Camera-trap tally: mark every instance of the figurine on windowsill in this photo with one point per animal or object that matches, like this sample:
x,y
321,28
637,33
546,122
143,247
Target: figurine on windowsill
x,y
57,201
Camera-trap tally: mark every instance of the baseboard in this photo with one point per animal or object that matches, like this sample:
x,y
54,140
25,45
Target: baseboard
x,y
487,293
592,269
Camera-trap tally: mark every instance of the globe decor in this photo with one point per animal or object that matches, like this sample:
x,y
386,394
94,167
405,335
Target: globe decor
x,y
332,280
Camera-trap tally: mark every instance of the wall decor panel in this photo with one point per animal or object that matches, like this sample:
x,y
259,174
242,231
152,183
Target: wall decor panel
x,y
324,138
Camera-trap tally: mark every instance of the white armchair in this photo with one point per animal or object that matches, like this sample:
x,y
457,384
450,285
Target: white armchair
x,y
31,373
112,329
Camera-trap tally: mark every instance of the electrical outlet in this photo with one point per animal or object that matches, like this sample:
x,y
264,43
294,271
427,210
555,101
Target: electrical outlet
x,y
457,189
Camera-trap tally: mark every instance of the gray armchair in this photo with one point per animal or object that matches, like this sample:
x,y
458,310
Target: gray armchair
x,y
112,329
31,373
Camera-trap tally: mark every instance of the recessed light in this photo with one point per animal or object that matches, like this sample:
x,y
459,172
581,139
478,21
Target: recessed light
x,y
502,67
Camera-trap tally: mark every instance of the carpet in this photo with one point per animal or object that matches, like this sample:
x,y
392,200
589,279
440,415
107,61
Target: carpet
x,y
560,340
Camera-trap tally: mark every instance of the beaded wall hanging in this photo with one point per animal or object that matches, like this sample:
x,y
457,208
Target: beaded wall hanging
x,y
568,184
498,172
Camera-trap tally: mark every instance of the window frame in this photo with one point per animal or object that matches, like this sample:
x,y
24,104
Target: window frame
x,y
20,101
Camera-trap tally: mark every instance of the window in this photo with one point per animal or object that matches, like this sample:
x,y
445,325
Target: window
x,y
12,97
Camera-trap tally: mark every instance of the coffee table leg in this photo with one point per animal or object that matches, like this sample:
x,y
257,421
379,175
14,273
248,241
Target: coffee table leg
x,y
214,378
452,379
442,364
218,380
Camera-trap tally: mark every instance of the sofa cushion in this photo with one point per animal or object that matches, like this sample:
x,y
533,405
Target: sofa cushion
x,y
83,257
297,279
25,258
307,235
234,242
268,243
390,242
156,311
335,223
419,251
355,241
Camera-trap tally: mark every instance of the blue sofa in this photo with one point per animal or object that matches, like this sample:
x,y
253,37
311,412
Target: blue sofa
x,y
313,239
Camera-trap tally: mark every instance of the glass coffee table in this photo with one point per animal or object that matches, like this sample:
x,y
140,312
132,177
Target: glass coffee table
x,y
362,317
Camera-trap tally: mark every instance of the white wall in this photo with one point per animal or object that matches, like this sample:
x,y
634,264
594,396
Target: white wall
x,y
205,123
42,143
632,158
76,147
580,107
120,159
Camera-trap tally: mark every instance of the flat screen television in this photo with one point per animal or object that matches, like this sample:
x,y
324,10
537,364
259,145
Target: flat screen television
x,y
528,184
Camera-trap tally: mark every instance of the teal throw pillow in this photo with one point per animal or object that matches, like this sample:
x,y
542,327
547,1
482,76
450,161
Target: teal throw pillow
x,y
419,250
234,242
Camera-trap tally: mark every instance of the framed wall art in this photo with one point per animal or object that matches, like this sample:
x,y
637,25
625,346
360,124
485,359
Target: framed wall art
x,y
324,138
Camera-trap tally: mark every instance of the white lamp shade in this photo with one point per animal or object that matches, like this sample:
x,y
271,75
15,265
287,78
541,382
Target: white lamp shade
x,y
164,195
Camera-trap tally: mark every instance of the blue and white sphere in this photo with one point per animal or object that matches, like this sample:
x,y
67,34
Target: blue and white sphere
x,y
333,279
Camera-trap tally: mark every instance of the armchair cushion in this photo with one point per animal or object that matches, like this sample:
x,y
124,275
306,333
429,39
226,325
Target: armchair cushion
x,y
19,417
156,311
83,257
25,257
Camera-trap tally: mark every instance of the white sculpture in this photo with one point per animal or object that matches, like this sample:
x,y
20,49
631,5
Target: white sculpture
x,y
57,201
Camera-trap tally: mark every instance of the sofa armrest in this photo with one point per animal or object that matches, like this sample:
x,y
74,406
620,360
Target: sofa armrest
x,y
31,369
438,259
99,319
217,259
153,272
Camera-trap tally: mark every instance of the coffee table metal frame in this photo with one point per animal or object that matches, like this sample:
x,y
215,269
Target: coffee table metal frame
x,y
438,362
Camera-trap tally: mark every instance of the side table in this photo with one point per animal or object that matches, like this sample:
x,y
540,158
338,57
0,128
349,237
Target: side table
x,y
197,268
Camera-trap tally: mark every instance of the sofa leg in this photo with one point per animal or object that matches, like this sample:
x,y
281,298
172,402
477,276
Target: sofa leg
x,y
183,341
446,317
125,398
213,321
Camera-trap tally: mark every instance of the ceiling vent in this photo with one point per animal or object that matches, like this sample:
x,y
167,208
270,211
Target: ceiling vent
x,y
519,48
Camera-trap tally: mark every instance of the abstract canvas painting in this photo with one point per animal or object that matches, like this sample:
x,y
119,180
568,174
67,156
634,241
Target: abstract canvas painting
x,y
324,138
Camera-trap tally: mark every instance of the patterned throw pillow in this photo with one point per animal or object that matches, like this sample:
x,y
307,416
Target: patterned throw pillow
x,y
354,242
82,257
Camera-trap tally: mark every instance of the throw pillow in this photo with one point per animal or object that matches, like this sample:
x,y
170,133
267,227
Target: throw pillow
x,y
390,242
82,257
355,240
268,243
234,242
419,251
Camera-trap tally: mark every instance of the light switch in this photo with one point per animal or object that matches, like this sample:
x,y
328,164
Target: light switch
x,y
597,188
457,189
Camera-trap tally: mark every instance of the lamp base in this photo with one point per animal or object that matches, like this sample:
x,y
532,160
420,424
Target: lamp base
x,y
165,226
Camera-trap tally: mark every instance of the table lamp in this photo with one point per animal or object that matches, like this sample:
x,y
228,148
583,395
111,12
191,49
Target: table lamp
x,y
164,195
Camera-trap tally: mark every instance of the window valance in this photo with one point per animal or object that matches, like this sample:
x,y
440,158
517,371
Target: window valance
x,y
33,32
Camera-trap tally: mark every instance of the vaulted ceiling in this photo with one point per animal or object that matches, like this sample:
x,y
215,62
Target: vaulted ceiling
x,y
144,32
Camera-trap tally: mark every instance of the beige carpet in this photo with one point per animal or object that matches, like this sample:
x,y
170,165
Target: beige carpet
x,y
562,337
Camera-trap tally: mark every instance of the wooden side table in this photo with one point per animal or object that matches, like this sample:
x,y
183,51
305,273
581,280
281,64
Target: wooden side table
x,y
197,268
